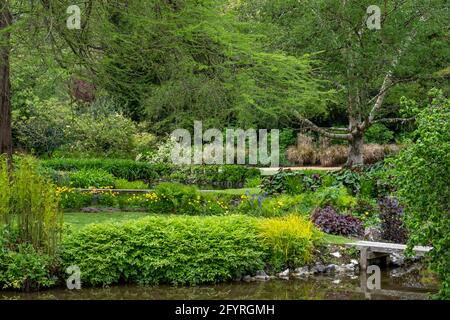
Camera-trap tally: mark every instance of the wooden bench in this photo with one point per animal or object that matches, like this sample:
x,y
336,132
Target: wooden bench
x,y
373,250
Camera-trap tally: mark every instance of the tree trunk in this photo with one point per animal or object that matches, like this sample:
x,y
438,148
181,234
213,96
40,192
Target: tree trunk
x,y
356,148
5,85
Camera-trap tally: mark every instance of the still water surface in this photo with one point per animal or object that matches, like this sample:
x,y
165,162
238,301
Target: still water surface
x,y
411,286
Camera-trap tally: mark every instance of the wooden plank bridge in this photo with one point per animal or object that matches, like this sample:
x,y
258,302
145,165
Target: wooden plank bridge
x,y
374,250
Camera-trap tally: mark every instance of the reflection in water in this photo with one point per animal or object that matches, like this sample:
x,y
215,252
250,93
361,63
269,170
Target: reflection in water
x,y
330,288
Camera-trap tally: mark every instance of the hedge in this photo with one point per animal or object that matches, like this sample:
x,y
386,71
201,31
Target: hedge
x,y
174,250
134,170
125,169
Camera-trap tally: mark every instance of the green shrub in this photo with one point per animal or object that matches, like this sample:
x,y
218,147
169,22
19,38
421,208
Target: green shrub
x,y
109,135
422,178
365,209
292,182
175,250
368,187
131,185
176,198
119,168
227,175
293,185
25,269
351,179
144,142
336,196
43,126
264,206
87,178
73,199
254,182
379,133
289,241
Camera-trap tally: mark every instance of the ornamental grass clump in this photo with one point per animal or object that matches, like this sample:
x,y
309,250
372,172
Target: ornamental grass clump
x,y
30,227
29,205
289,241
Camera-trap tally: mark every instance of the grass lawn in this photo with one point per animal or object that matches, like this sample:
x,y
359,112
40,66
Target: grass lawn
x,y
339,240
81,219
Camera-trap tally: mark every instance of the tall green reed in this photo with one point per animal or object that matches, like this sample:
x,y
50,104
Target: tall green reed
x,y
29,204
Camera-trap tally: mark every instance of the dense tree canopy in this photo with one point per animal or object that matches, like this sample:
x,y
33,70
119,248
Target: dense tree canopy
x,y
172,62
362,65
252,63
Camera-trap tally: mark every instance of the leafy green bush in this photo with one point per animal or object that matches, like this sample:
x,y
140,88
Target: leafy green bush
x,y
43,126
174,197
227,175
108,135
144,142
292,182
379,133
351,179
25,269
365,210
289,240
337,196
261,205
180,199
87,178
131,185
422,179
254,182
175,250
73,199
119,168
233,174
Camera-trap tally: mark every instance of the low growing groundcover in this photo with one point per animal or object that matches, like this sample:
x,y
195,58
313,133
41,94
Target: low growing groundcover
x,y
184,250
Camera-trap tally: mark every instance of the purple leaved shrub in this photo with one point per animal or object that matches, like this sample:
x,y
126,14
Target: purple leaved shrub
x,y
330,221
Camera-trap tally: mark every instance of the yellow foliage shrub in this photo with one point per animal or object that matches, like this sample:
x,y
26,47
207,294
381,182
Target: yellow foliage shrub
x,y
289,240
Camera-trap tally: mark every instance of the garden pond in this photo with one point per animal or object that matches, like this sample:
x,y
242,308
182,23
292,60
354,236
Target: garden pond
x,y
394,286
